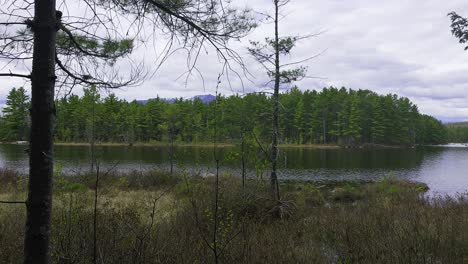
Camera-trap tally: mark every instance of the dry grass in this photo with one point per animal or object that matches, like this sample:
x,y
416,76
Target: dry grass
x,y
385,222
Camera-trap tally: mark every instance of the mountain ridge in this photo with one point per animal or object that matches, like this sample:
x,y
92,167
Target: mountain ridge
x,y
205,98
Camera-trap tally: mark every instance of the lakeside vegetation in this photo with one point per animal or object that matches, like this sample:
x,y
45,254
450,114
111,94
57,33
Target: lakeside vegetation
x,y
155,217
458,132
331,116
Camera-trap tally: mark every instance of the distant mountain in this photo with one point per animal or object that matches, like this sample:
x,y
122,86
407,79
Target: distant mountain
x,y
205,98
170,100
142,101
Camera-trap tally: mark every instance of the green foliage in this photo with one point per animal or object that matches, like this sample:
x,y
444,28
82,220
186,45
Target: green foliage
x,y
265,54
347,193
392,186
385,185
306,194
331,116
109,50
64,184
291,75
459,27
15,120
458,132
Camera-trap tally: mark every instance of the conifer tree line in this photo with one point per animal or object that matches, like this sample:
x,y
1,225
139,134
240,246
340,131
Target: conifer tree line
x,y
330,116
458,132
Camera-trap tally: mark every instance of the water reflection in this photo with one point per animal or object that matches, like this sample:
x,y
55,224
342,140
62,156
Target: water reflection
x,y
447,172
443,169
389,159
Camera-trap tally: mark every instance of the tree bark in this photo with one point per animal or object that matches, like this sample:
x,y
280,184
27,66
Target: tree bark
x,y
39,202
274,144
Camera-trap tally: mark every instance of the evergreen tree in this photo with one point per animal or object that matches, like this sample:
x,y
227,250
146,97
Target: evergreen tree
x,y
15,120
377,128
270,54
348,116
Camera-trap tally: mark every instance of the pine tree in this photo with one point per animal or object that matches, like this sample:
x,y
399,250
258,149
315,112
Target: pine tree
x,y
378,122
16,124
354,129
269,54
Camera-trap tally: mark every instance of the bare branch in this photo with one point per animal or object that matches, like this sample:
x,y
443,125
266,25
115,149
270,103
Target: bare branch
x,y
15,75
12,202
12,23
90,80
304,60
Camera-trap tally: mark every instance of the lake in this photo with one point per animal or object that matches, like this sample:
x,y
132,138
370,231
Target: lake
x,y
444,169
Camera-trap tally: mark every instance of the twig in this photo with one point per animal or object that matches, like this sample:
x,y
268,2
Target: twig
x,y
260,145
12,202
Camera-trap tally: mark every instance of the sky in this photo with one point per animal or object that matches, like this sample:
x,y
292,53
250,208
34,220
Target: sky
x,y
387,46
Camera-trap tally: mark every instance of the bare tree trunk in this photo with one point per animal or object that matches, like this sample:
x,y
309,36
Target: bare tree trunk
x,y
95,238
243,161
216,159
39,203
215,216
92,150
324,131
274,144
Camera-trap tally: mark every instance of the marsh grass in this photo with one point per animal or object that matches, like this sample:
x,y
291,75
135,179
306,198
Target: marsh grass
x,y
153,217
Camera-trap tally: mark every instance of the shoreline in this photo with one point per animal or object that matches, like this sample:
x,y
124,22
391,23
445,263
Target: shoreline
x,y
222,145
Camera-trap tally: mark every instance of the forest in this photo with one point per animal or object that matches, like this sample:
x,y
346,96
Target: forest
x,y
330,116
458,132
377,209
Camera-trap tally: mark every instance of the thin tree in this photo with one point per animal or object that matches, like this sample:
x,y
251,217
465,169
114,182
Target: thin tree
x,y
55,49
269,54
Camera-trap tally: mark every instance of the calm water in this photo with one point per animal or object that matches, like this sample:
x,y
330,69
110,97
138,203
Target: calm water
x,y
444,169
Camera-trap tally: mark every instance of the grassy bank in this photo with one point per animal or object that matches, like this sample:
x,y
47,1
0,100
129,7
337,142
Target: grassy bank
x,y
153,217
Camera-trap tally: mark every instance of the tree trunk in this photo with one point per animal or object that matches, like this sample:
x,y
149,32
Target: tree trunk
x,y
172,152
274,144
324,130
39,203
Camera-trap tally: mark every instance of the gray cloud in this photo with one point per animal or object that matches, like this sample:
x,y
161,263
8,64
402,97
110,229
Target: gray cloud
x,y
388,46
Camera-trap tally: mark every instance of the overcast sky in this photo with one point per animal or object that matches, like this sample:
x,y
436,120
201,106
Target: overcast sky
x,y
387,46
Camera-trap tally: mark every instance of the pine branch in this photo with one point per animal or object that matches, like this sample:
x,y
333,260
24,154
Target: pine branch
x,y
88,79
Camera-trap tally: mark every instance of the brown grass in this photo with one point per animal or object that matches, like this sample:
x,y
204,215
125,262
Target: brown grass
x,y
384,222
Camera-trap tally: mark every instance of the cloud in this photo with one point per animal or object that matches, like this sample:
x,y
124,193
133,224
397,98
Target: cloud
x,y
388,46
